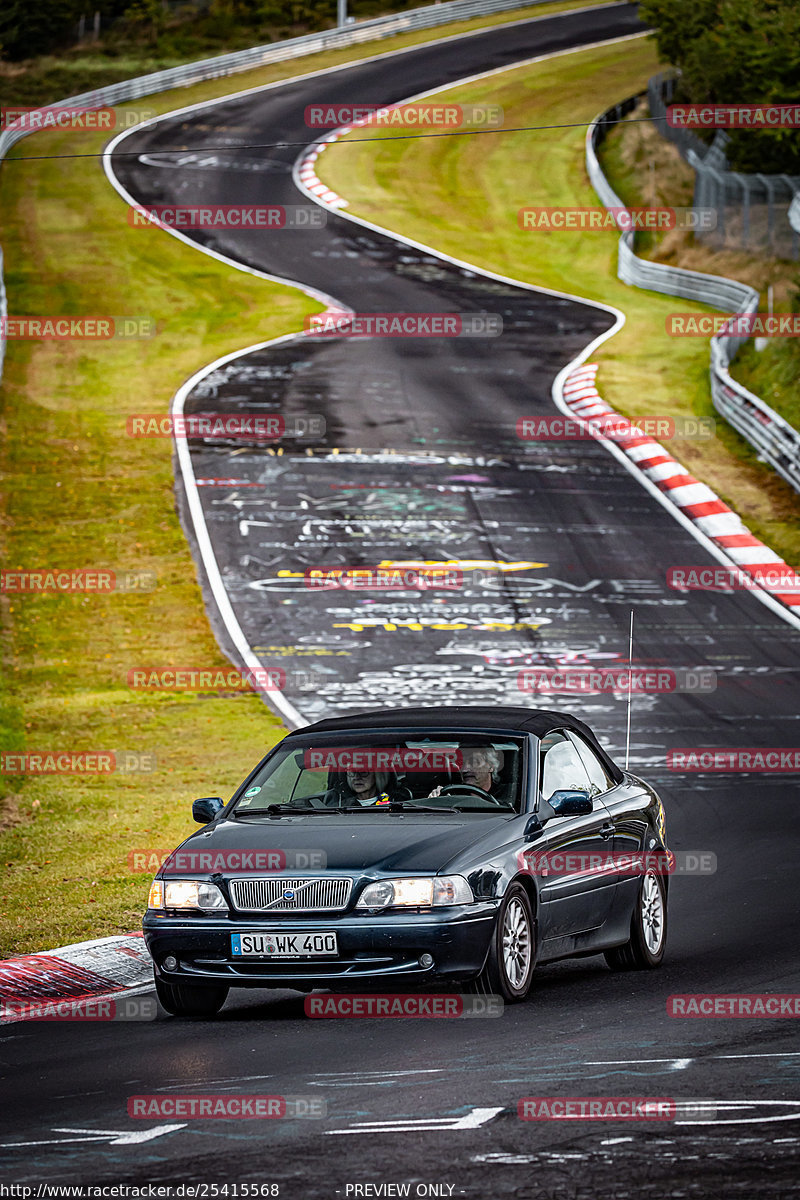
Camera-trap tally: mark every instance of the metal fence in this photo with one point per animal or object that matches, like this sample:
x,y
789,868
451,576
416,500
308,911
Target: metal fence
x,y
752,210
777,442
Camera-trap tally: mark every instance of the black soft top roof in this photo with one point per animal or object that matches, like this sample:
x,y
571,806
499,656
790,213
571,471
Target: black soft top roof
x,y
464,716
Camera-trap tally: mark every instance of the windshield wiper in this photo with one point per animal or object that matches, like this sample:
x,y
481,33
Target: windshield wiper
x,y
411,806
272,810
283,810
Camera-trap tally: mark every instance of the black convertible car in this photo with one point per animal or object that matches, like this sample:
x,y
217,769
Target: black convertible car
x,y
413,848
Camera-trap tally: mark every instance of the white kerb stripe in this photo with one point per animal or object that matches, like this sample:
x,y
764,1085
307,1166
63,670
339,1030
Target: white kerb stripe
x,y
721,524
666,470
646,450
752,554
692,493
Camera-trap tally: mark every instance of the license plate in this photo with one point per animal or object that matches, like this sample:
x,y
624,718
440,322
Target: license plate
x,y
284,945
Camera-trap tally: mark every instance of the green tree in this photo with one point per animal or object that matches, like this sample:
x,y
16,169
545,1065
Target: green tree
x,y
147,16
27,29
31,27
736,51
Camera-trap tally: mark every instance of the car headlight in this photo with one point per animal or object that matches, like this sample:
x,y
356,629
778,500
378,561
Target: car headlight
x,y
186,893
416,892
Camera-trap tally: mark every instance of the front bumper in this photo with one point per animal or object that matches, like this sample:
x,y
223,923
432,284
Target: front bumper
x,y
381,950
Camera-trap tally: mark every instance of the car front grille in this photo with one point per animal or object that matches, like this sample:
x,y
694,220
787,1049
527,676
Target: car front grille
x,y
310,895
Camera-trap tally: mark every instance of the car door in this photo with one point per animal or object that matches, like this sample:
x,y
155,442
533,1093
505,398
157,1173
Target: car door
x,y
576,894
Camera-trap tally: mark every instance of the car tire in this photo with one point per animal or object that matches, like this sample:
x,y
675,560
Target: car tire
x,y
191,1000
509,966
644,951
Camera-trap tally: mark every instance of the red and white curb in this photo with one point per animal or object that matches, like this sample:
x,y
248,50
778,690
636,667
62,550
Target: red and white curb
x,y
306,166
85,970
694,499
307,172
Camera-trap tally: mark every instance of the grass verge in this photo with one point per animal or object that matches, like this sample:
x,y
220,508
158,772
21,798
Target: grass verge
x,y
79,492
468,205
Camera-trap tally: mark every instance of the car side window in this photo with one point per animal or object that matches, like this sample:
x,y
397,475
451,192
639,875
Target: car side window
x,y
562,767
598,776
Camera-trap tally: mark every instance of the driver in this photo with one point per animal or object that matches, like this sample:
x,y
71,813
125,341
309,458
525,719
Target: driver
x,y
480,766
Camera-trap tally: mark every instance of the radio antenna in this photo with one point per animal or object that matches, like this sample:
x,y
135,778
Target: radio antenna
x,y
630,683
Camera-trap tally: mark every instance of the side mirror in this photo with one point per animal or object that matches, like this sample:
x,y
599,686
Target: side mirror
x,y
568,802
533,828
205,809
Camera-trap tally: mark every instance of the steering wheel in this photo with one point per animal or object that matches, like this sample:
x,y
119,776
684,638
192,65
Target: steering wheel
x,y
470,787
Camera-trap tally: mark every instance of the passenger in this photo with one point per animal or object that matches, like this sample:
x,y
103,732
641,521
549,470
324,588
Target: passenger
x,y
365,788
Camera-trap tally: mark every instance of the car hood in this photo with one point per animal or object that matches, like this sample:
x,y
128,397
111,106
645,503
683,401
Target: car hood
x,y
345,842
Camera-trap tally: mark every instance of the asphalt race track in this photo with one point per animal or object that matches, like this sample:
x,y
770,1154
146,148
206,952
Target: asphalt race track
x,y
421,462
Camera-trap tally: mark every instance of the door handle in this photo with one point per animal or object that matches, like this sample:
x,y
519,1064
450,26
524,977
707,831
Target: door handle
x,y
607,830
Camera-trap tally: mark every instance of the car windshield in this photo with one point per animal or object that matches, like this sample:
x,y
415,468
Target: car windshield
x,y
461,773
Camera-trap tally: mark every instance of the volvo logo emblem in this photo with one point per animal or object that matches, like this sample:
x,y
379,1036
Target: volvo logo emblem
x,y
288,894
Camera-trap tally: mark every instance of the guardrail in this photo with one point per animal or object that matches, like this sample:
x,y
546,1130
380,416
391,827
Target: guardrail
x,y
257,56
776,441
